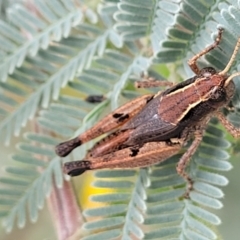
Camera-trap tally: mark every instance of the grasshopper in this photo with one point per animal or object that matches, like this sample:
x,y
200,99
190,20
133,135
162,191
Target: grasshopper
x,y
154,127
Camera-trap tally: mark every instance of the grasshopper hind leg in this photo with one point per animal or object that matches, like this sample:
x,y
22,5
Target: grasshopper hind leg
x,y
109,123
76,168
130,157
64,148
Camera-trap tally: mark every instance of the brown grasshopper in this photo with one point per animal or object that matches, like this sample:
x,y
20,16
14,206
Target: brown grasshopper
x,y
152,128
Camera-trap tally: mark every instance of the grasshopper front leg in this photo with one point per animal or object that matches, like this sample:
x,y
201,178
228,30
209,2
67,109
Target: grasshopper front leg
x,y
234,131
131,157
108,123
193,61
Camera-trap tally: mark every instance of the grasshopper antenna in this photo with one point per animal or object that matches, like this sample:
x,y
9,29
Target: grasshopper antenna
x,y
231,77
224,71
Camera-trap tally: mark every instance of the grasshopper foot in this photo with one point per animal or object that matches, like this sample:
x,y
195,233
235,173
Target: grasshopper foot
x,y
189,188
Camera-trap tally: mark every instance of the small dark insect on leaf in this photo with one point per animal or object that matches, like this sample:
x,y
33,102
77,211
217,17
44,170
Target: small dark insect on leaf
x,y
94,98
153,127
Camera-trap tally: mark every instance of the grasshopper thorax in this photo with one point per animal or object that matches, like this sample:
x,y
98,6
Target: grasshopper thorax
x,y
210,85
218,90
218,85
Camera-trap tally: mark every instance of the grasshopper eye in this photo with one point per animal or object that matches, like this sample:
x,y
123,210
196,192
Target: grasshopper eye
x,y
218,94
207,72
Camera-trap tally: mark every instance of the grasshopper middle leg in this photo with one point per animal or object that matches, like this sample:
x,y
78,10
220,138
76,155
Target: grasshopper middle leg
x,y
152,83
185,159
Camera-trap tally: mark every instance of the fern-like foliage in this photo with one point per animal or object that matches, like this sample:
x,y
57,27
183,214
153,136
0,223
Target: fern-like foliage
x,y
28,32
34,84
41,77
64,44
